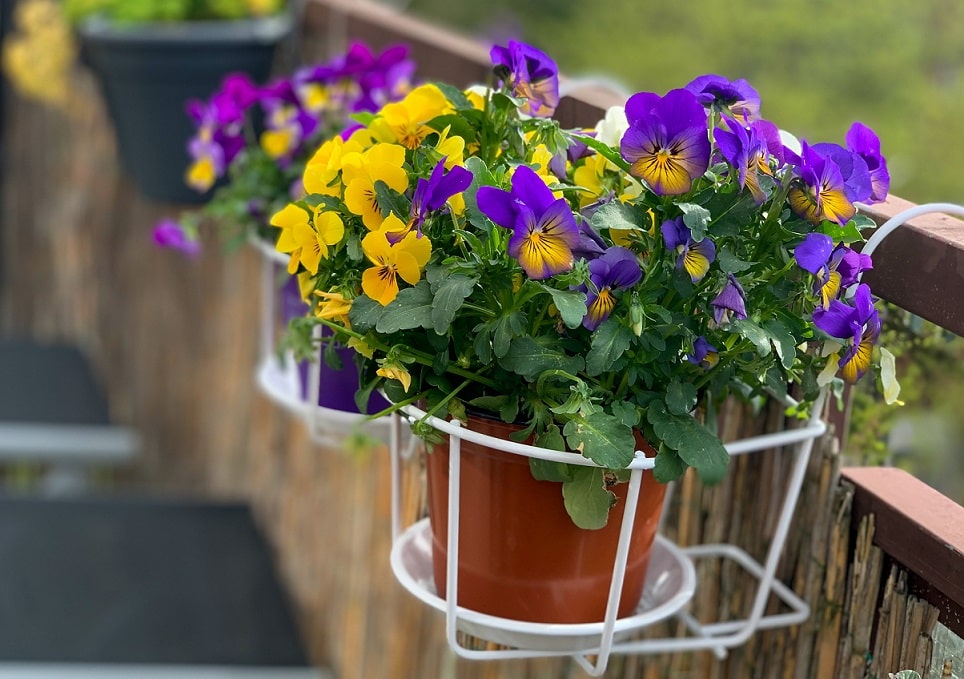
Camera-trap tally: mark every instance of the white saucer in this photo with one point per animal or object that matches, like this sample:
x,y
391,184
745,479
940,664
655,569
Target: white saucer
x,y
670,583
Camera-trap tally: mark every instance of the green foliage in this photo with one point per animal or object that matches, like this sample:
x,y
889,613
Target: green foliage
x,y
818,66
134,11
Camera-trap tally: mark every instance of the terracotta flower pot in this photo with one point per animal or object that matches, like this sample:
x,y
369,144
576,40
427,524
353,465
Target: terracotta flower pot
x,y
520,555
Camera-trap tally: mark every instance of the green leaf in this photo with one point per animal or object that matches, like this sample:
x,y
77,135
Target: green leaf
x,y
454,95
605,150
458,126
602,438
330,202
545,470
483,344
783,342
504,329
570,303
753,332
695,445
411,309
616,215
729,262
450,293
529,357
627,413
390,200
364,313
586,499
362,117
609,342
668,467
697,218
849,232
481,176
680,398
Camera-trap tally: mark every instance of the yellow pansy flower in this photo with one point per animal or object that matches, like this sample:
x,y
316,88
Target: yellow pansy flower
x,y
360,171
201,174
396,372
406,258
333,306
406,118
589,176
306,243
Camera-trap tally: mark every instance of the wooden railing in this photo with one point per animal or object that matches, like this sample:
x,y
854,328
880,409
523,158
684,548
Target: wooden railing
x,y
175,342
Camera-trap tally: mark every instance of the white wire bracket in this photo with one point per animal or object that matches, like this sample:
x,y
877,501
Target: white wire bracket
x,y
592,644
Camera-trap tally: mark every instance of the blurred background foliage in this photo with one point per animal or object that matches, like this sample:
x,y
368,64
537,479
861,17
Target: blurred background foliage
x,y
896,65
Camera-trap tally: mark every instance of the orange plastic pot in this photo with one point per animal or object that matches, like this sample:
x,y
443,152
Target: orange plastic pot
x,y
520,555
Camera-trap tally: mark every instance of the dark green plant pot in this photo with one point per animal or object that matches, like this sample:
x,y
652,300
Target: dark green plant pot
x,y
148,71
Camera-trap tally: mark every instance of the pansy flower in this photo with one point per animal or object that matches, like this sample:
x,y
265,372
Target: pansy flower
x,y
704,354
544,230
744,150
170,234
432,194
862,141
695,258
730,304
667,144
860,324
616,269
405,259
737,97
836,268
405,121
307,239
531,75
360,172
830,180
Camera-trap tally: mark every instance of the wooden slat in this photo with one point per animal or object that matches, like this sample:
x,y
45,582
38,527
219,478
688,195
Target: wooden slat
x,y
919,528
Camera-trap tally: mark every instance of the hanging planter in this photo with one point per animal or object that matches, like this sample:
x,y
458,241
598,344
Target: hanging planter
x,y
147,71
288,381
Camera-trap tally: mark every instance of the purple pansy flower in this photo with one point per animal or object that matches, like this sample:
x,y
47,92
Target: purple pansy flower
x,y
860,324
742,148
544,230
836,268
530,74
730,304
616,269
694,257
737,96
431,194
830,179
704,354
862,141
667,144
169,234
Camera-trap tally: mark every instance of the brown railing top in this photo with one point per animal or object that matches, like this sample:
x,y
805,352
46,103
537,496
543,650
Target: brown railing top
x,y
920,267
921,529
